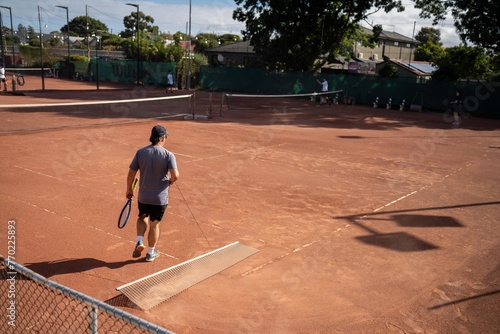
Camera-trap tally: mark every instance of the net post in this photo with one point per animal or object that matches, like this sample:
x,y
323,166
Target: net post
x,y
227,100
221,104
210,105
194,103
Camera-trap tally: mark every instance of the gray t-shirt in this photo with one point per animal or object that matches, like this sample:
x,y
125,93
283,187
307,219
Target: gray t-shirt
x,y
153,163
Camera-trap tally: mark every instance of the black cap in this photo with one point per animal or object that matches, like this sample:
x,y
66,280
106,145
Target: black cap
x,y
158,131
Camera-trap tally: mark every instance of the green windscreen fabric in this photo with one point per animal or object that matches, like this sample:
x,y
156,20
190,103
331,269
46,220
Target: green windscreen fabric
x,y
125,71
479,97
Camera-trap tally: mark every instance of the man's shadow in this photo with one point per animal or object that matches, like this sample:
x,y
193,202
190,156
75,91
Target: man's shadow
x,y
68,266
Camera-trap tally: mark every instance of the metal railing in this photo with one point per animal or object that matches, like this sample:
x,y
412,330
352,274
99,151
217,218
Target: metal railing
x,y
33,304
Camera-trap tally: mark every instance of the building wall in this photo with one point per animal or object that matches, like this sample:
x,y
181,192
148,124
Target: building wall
x,y
391,49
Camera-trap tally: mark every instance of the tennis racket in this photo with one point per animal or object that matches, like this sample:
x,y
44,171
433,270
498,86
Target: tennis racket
x,y
125,214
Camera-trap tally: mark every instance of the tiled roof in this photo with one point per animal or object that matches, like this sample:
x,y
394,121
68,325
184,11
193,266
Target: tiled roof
x,y
392,36
238,47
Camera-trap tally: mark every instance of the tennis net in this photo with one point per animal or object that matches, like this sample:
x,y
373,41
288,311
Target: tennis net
x,y
78,113
232,101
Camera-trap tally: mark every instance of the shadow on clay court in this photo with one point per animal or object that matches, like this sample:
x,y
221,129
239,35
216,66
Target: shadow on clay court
x,y
454,302
403,241
122,301
53,268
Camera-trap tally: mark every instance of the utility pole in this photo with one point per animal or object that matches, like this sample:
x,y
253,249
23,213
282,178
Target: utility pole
x,y
1,39
67,29
12,36
41,49
138,43
87,30
411,45
189,50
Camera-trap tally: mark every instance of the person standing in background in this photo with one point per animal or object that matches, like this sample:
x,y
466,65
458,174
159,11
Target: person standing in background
x,y
2,78
324,89
170,82
456,107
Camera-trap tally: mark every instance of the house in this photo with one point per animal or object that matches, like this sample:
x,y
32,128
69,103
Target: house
x,y
391,45
76,41
422,70
239,54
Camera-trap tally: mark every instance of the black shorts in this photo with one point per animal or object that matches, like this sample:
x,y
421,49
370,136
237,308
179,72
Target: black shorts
x,y
3,80
154,212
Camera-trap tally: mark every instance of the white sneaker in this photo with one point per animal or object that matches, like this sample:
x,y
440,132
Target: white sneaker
x,y
150,257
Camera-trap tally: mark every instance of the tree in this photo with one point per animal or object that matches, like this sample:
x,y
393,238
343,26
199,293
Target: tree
x,y
429,52
389,70
32,36
205,41
292,34
476,21
83,25
463,62
145,24
428,34
229,39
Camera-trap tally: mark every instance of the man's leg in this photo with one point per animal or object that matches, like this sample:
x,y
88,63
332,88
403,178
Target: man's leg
x,y
153,236
456,118
141,226
154,233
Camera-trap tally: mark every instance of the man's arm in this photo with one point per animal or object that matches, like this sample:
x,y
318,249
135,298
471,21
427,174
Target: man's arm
x,y
130,181
174,175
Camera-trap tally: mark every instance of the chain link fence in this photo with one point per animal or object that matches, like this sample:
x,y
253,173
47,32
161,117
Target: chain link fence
x,y
33,304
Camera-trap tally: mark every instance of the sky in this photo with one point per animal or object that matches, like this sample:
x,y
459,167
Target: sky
x,y
207,16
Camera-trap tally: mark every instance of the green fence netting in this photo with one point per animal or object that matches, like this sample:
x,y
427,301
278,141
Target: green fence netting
x,y
479,98
120,71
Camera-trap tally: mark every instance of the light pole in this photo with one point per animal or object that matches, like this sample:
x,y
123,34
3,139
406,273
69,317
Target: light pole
x,y
12,33
138,41
41,48
97,60
67,34
189,50
1,39
87,30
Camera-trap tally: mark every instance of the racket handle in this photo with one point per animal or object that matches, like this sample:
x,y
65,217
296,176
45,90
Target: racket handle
x,y
134,185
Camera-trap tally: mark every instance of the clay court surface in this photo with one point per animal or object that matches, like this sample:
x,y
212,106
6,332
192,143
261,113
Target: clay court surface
x,y
366,220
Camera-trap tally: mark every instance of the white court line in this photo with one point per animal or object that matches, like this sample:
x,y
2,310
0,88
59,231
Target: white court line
x,y
415,191
300,248
72,220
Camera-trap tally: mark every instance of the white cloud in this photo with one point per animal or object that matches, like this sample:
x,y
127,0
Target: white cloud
x,y
210,16
409,23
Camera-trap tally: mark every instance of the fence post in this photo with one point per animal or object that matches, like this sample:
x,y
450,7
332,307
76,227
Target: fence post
x,y
94,320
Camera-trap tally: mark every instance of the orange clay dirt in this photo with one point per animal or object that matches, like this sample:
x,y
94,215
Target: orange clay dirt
x,y
366,220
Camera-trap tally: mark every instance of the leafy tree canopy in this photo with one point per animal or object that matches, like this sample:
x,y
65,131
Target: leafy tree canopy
x,y
292,34
430,52
463,62
428,34
83,25
145,24
205,41
476,21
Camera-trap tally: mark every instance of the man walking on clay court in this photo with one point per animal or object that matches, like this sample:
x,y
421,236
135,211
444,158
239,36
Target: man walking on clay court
x,y
158,171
